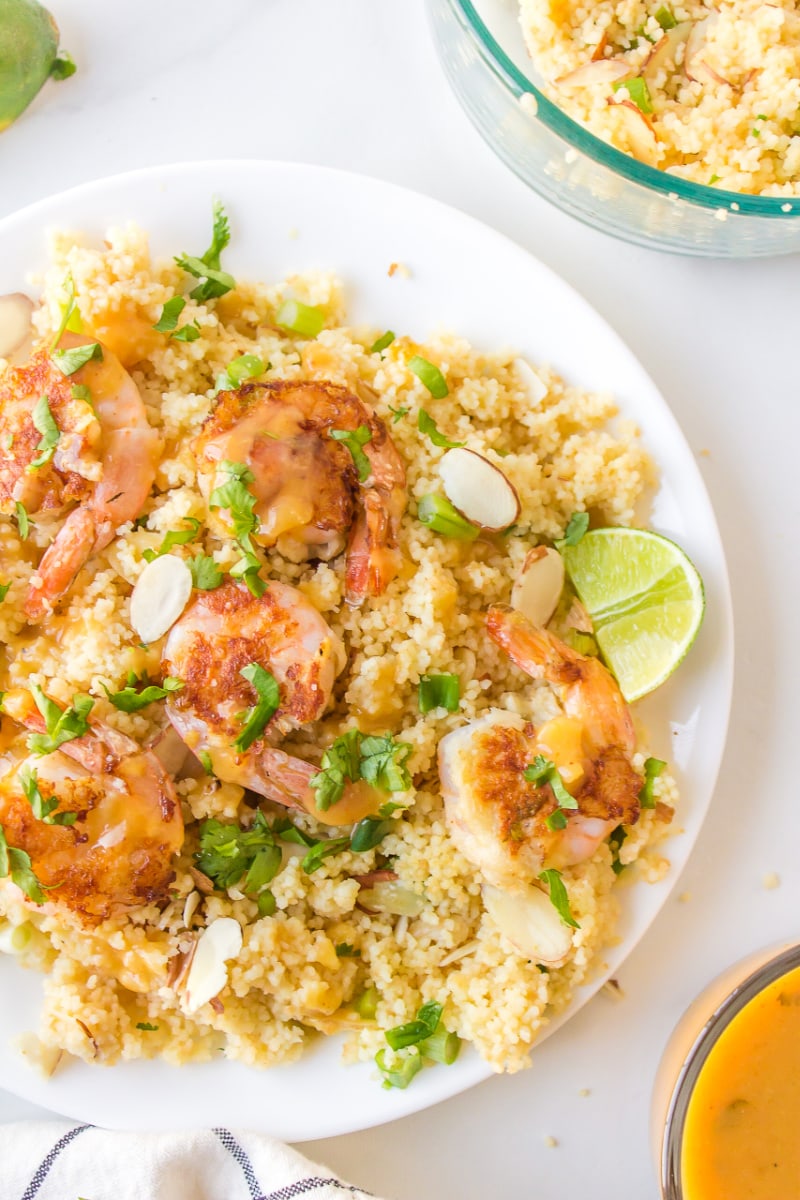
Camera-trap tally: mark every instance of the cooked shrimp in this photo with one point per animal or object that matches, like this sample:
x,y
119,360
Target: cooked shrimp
x,y
306,484
118,853
101,468
499,819
225,630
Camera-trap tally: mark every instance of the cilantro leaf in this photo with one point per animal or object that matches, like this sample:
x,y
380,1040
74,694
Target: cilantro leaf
x,y
129,700
214,281
542,771
558,896
17,864
206,575
62,725
230,855
322,850
248,568
427,425
340,762
354,439
240,502
187,333
398,413
70,361
146,1027
576,528
169,315
68,311
45,424
23,520
382,763
175,537
43,810
4,587
258,717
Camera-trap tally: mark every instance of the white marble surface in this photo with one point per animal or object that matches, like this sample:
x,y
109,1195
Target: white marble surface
x,y
356,85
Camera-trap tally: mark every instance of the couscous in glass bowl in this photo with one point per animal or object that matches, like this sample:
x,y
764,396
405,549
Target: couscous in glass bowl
x,y
482,52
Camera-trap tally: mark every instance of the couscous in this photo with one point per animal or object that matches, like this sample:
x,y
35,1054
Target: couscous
x,y
709,92
223,822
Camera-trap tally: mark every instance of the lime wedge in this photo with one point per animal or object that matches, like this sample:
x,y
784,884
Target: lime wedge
x,y
645,599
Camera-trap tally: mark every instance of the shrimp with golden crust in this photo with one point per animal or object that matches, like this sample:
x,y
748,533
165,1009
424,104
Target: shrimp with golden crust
x,y
117,854
100,470
497,818
305,482
228,629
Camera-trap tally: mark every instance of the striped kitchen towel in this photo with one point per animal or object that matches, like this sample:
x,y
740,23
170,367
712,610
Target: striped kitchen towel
x,y
53,1160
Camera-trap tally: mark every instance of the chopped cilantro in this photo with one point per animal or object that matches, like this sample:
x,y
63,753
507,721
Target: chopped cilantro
x,y
130,700
266,687
354,439
214,281
187,333
169,315
430,376
70,361
241,503
398,413
17,864
577,526
346,950
206,575
377,760
322,850
146,1027
45,424
23,520
247,568
427,425
206,761
4,591
43,810
62,725
175,537
558,896
232,856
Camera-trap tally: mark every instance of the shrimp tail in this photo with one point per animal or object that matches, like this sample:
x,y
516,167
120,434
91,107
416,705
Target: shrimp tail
x,y
373,558
61,562
535,651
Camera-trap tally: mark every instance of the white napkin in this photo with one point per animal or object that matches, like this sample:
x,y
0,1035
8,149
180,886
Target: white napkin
x,y
54,1160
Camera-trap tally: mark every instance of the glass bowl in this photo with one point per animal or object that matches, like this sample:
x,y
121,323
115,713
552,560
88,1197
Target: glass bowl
x,y
690,1045
481,49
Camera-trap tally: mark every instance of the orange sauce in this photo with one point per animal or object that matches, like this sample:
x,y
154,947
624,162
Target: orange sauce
x,y
741,1139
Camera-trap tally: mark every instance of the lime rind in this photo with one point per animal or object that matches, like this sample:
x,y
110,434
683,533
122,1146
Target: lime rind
x,y
646,601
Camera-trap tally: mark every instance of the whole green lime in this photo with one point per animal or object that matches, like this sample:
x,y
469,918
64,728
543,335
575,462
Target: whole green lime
x,y
28,51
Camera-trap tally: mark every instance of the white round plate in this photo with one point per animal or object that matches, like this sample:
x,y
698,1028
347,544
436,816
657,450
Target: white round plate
x,y
463,276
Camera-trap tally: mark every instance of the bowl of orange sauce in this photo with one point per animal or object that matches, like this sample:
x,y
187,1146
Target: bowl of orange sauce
x,y
726,1108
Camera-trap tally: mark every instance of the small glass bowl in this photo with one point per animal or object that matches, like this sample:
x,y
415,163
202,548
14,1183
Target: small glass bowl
x,y
690,1045
481,50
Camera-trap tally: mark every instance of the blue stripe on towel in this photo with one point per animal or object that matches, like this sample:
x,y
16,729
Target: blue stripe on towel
x,y
43,1169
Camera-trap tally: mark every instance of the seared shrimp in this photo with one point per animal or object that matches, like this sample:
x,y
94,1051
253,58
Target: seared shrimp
x,y
100,470
225,630
117,854
499,819
306,484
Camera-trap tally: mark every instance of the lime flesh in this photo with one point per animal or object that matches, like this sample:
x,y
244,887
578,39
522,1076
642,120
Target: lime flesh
x,y
645,599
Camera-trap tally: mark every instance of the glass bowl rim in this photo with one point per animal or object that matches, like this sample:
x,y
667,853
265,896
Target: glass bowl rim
x,y
569,131
739,996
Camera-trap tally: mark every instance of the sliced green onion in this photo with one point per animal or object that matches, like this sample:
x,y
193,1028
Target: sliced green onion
x,y
63,66
401,1074
653,767
665,18
23,520
354,439
187,333
430,376
368,833
303,319
246,366
439,691
322,850
4,587
638,91
442,1046
382,342
438,514
423,1026
266,903
367,1004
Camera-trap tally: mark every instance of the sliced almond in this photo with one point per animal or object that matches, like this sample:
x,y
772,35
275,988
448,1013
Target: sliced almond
x,y
530,922
16,311
695,63
601,70
208,974
664,54
391,896
635,131
478,489
536,389
539,584
160,596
